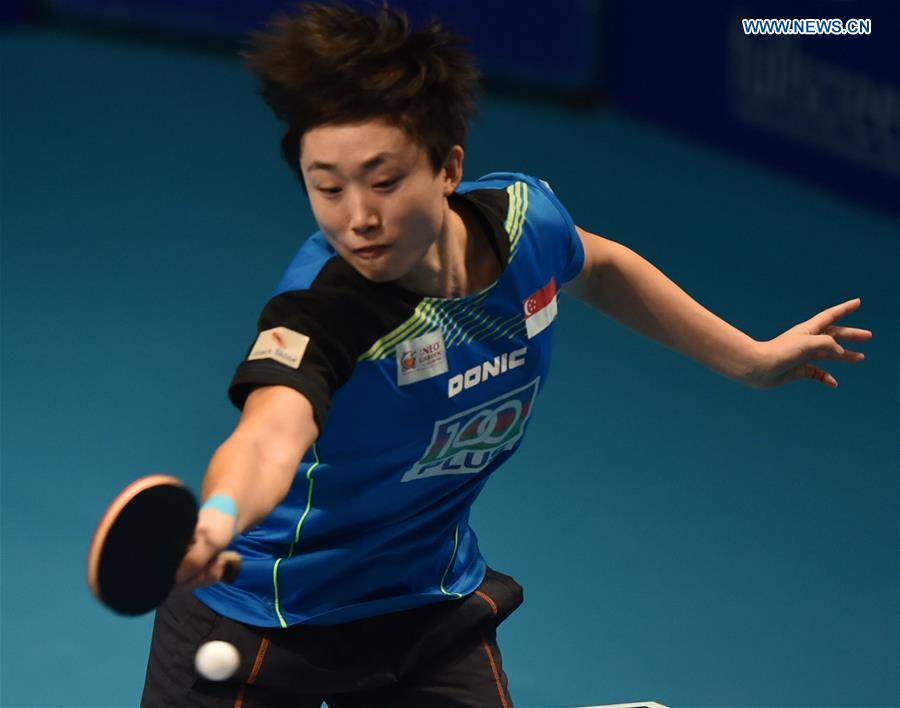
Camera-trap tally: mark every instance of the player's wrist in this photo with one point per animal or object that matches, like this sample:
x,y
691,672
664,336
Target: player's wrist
x,y
223,504
754,365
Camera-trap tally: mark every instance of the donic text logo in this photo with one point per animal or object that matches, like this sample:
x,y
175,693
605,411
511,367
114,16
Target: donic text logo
x,y
467,442
474,376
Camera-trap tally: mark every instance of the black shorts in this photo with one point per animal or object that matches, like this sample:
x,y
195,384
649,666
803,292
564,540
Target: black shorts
x,y
442,656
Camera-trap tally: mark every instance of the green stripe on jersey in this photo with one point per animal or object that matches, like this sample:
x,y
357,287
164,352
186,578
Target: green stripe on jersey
x,y
296,540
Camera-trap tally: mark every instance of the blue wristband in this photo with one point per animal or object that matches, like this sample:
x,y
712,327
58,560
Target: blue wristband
x,y
225,504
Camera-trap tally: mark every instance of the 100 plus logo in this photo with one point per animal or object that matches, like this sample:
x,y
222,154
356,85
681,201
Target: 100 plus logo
x,y
467,442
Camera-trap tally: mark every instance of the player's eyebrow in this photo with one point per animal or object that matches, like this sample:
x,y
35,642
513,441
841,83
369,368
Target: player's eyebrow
x,y
368,165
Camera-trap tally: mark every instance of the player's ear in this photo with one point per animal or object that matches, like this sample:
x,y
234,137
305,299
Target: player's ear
x,y
453,169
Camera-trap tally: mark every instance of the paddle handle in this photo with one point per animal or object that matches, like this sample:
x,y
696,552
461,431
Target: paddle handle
x,y
233,562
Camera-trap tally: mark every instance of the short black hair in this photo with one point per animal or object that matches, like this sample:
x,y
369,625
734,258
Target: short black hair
x,y
325,64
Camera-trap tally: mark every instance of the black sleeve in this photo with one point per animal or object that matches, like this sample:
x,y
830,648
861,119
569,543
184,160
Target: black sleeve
x,y
342,313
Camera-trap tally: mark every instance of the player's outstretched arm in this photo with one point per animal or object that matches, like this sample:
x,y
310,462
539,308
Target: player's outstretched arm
x,y
631,290
254,467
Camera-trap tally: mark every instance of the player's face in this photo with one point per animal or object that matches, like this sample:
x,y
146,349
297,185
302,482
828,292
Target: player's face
x,y
375,195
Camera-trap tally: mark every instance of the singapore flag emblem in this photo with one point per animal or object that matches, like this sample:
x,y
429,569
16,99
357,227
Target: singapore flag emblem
x,y
540,309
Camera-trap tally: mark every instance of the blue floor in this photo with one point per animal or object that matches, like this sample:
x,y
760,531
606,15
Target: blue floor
x,y
680,538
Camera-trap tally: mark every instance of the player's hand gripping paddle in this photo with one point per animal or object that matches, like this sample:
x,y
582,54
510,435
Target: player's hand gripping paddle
x,y
140,542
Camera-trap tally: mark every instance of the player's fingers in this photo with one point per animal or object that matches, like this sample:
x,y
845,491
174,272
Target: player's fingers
x,y
825,318
187,571
849,333
233,564
207,576
851,357
213,533
808,371
195,562
224,567
846,355
823,346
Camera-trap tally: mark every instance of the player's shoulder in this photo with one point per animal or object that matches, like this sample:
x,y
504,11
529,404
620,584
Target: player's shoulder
x,y
328,299
513,190
308,264
531,197
504,180
341,296
317,269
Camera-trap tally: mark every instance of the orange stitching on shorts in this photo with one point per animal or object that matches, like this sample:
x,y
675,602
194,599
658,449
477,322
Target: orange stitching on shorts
x,y
257,665
490,656
260,655
488,600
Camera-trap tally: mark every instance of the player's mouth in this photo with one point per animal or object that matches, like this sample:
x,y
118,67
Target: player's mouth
x,y
370,252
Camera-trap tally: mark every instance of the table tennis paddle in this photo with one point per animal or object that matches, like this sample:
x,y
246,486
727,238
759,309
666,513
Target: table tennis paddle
x,y
140,542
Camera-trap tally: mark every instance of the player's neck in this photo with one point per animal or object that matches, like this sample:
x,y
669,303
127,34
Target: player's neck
x,y
456,264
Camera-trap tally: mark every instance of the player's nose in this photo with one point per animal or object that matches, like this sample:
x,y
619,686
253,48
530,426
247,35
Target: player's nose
x,y
364,218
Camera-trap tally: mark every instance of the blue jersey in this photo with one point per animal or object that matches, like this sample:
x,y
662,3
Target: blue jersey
x,y
418,400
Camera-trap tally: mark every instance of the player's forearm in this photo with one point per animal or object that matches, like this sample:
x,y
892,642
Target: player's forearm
x,y
255,468
257,481
638,295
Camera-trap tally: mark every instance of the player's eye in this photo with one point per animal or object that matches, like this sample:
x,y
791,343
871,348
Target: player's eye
x,y
387,184
331,191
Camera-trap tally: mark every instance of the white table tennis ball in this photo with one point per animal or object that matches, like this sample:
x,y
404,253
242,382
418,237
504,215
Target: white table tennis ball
x,y
217,660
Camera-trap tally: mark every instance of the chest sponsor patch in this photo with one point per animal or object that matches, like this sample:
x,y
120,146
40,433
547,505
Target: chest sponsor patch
x,y
467,442
540,309
281,344
421,358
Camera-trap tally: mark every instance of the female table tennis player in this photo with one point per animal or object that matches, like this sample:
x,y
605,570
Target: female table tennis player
x,y
394,369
